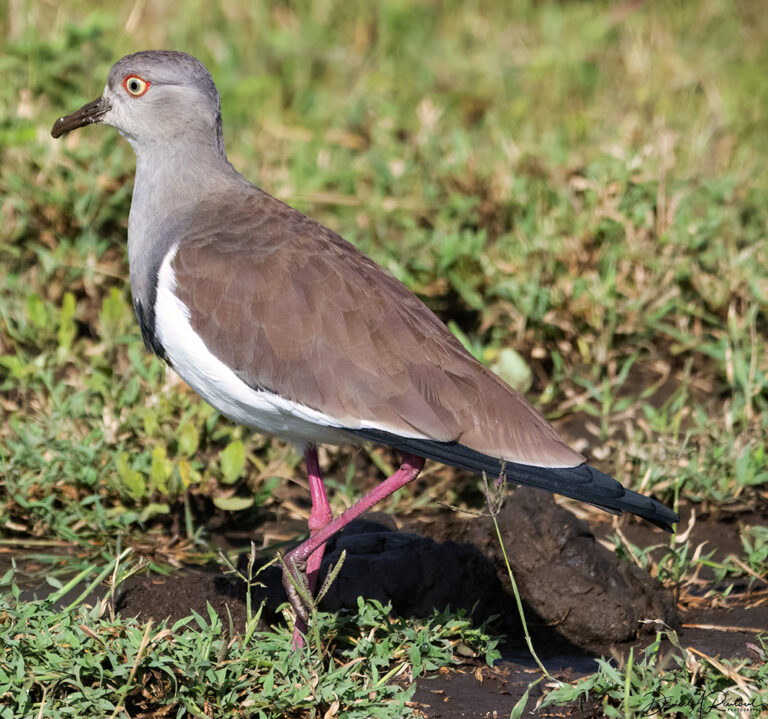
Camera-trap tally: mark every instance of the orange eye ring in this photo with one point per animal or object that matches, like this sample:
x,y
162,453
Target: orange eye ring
x,y
135,86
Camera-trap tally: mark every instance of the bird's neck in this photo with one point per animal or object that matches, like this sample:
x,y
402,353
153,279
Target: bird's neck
x,y
171,178
172,183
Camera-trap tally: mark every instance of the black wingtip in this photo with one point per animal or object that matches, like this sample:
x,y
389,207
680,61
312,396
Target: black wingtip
x,y
629,501
582,482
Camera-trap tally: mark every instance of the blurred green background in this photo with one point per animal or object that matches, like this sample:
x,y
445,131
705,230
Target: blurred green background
x,y
578,188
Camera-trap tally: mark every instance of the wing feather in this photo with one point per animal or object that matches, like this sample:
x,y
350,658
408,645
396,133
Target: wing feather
x,y
309,317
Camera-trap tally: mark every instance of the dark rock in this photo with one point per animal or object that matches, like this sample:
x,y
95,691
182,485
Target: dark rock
x,y
571,581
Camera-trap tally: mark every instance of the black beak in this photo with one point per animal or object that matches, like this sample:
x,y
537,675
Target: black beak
x,y
86,115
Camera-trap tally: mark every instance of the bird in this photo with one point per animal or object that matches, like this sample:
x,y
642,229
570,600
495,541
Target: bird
x,y
285,327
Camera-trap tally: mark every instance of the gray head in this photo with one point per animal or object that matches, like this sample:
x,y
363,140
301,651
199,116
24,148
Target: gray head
x,y
154,98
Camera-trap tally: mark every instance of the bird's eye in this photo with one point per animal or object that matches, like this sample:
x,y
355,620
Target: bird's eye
x,y
135,85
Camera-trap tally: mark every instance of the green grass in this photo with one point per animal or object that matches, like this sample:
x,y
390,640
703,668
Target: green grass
x,y
579,189
82,662
677,683
680,560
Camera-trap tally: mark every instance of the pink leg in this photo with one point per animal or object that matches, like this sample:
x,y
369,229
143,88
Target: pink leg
x,y
319,516
297,559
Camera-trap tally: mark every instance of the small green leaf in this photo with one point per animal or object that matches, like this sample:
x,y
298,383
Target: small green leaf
x,y
513,369
414,655
233,504
233,461
36,312
151,425
185,473
153,509
188,439
161,469
67,326
130,479
113,310
519,708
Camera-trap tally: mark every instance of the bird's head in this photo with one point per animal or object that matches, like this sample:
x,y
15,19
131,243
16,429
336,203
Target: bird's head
x,y
155,97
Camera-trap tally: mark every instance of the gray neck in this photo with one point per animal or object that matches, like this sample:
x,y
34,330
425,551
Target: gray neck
x,y
172,182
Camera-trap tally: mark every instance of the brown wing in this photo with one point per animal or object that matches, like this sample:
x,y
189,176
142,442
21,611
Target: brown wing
x,y
309,317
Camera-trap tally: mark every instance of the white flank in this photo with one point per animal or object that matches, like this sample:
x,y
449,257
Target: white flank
x,y
224,390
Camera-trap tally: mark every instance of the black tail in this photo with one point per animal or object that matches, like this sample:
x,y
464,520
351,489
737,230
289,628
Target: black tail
x,y
582,482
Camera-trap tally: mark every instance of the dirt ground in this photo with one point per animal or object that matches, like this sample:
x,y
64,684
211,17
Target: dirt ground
x,y
581,602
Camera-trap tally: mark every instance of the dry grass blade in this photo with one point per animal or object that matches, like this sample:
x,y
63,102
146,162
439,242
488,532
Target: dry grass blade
x,y
137,660
724,628
732,674
746,568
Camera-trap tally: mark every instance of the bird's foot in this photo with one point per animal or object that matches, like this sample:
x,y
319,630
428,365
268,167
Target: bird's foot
x,y
298,594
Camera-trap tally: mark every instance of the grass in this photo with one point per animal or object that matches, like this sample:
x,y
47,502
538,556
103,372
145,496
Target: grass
x,y
680,562
579,189
82,662
676,684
